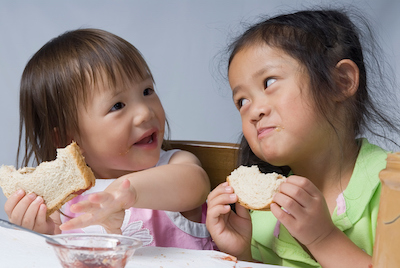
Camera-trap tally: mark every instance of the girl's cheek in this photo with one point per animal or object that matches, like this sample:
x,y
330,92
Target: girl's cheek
x,y
248,133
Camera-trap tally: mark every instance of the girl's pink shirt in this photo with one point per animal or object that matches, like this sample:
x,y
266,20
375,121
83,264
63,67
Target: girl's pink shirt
x,y
153,227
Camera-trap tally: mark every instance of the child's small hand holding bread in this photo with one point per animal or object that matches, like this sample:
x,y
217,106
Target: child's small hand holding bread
x,y
249,188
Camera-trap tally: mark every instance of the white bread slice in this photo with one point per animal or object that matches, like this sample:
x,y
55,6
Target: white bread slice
x,y
56,181
253,188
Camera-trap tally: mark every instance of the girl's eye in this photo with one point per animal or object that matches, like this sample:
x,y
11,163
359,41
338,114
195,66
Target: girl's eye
x,y
269,81
118,106
242,102
148,91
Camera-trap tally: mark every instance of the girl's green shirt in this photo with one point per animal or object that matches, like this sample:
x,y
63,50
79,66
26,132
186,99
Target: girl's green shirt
x,y
355,214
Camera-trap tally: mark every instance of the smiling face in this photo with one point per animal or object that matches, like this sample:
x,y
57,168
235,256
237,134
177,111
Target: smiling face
x,y
271,92
121,131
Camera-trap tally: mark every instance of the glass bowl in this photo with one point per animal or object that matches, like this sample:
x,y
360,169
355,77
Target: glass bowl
x,y
94,250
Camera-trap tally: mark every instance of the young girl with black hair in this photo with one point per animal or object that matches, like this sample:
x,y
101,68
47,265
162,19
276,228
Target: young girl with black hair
x,y
300,84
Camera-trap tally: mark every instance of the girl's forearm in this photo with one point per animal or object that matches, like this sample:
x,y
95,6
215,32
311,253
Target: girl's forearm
x,y
172,187
337,250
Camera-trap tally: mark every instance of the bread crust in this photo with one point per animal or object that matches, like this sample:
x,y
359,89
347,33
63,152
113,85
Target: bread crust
x,y
85,170
87,175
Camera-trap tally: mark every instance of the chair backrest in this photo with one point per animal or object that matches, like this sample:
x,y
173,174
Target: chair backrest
x,y
217,158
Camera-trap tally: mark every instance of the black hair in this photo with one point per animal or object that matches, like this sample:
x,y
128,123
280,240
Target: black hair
x,y
318,40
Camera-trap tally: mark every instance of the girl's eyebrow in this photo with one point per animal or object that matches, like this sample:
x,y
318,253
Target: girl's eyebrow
x,y
265,69
111,94
256,75
236,90
121,89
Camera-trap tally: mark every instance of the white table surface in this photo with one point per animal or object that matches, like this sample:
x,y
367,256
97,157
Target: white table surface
x,y
20,249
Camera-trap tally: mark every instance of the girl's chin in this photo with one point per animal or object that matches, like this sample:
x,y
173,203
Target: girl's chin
x,y
145,162
272,159
123,168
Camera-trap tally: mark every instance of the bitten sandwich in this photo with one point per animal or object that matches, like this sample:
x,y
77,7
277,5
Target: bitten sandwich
x,y
56,181
254,189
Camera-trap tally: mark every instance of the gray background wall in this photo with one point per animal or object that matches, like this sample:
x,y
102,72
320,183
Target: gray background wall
x,y
182,41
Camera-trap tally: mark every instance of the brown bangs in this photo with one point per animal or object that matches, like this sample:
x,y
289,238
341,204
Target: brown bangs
x,y
114,63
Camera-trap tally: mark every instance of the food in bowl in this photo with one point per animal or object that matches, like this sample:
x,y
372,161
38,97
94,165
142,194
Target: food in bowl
x,y
94,250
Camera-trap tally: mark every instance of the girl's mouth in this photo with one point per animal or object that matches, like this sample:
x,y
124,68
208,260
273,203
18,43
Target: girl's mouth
x,y
262,132
147,140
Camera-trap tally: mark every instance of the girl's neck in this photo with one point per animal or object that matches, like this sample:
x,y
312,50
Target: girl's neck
x,y
331,170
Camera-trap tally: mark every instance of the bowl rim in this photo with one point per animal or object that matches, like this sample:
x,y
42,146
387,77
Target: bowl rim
x,y
138,243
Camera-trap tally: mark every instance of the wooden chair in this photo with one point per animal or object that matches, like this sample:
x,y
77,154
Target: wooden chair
x,y
217,158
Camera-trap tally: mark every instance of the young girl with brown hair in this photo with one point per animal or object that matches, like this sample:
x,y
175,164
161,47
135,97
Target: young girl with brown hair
x,y
95,88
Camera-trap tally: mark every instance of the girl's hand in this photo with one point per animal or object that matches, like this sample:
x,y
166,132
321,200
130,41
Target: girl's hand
x,y
305,214
105,208
231,231
29,211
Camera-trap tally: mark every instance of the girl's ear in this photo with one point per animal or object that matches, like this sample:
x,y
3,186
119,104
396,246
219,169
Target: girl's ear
x,y
347,78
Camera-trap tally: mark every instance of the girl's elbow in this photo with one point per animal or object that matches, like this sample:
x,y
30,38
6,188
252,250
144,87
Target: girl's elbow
x,y
206,182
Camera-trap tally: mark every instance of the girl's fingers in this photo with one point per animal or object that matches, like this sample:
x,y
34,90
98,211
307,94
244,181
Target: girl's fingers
x,y
41,220
304,184
12,201
31,213
218,203
214,215
78,222
217,210
288,205
219,199
95,202
99,198
242,211
284,217
222,200
18,212
107,198
99,208
220,189
298,194
84,206
125,184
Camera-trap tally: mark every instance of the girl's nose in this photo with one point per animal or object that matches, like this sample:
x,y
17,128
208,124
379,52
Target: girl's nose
x,y
142,113
259,109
